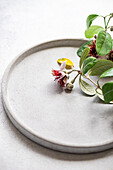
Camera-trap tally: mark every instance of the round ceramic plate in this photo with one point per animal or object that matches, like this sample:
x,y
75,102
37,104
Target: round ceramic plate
x,y
44,112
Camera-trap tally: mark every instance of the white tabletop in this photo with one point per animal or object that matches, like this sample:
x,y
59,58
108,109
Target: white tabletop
x,y
22,25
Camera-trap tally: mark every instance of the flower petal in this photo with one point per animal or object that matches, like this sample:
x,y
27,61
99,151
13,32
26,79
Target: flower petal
x,y
61,82
63,65
56,73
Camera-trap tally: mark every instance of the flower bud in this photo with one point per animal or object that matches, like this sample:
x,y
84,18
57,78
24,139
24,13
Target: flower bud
x,y
69,86
95,36
111,28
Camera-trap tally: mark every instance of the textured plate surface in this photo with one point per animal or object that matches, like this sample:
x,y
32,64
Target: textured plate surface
x,y
42,111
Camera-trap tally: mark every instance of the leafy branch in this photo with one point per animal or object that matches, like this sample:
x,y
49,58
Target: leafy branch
x,y
95,56
103,40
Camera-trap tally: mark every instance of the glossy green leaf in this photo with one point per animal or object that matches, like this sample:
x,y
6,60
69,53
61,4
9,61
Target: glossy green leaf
x,y
83,46
100,67
88,64
86,88
90,19
92,30
85,53
103,43
107,90
107,73
100,95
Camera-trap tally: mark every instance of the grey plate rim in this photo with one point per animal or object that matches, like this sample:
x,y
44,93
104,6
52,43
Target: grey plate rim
x,y
26,130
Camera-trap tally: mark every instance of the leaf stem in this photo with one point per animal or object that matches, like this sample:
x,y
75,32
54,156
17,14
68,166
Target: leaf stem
x,y
105,23
73,70
101,16
87,77
75,78
104,17
109,20
107,15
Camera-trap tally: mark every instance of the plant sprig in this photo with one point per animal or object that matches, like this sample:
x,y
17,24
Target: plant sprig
x,y
95,56
104,40
89,66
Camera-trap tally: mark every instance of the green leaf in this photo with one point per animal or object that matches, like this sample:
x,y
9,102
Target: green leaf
x,y
107,90
88,64
85,45
100,95
103,43
107,73
92,30
100,67
90,18
86,88
85,53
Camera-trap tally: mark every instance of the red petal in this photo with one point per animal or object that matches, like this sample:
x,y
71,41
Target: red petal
x,y
56,73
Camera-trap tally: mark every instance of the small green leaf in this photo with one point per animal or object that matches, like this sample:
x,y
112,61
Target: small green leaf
x,y
92,30
107,90
103,43
79,51
90,18
85,53
88,64
86,88
100,67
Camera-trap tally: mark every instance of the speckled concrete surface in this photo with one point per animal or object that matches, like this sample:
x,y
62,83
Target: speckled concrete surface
x,y
22,25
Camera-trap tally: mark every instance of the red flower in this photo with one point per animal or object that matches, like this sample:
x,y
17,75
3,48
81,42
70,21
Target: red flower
x,y
61,76
93,51
62,81
92,47
57,73
110,55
